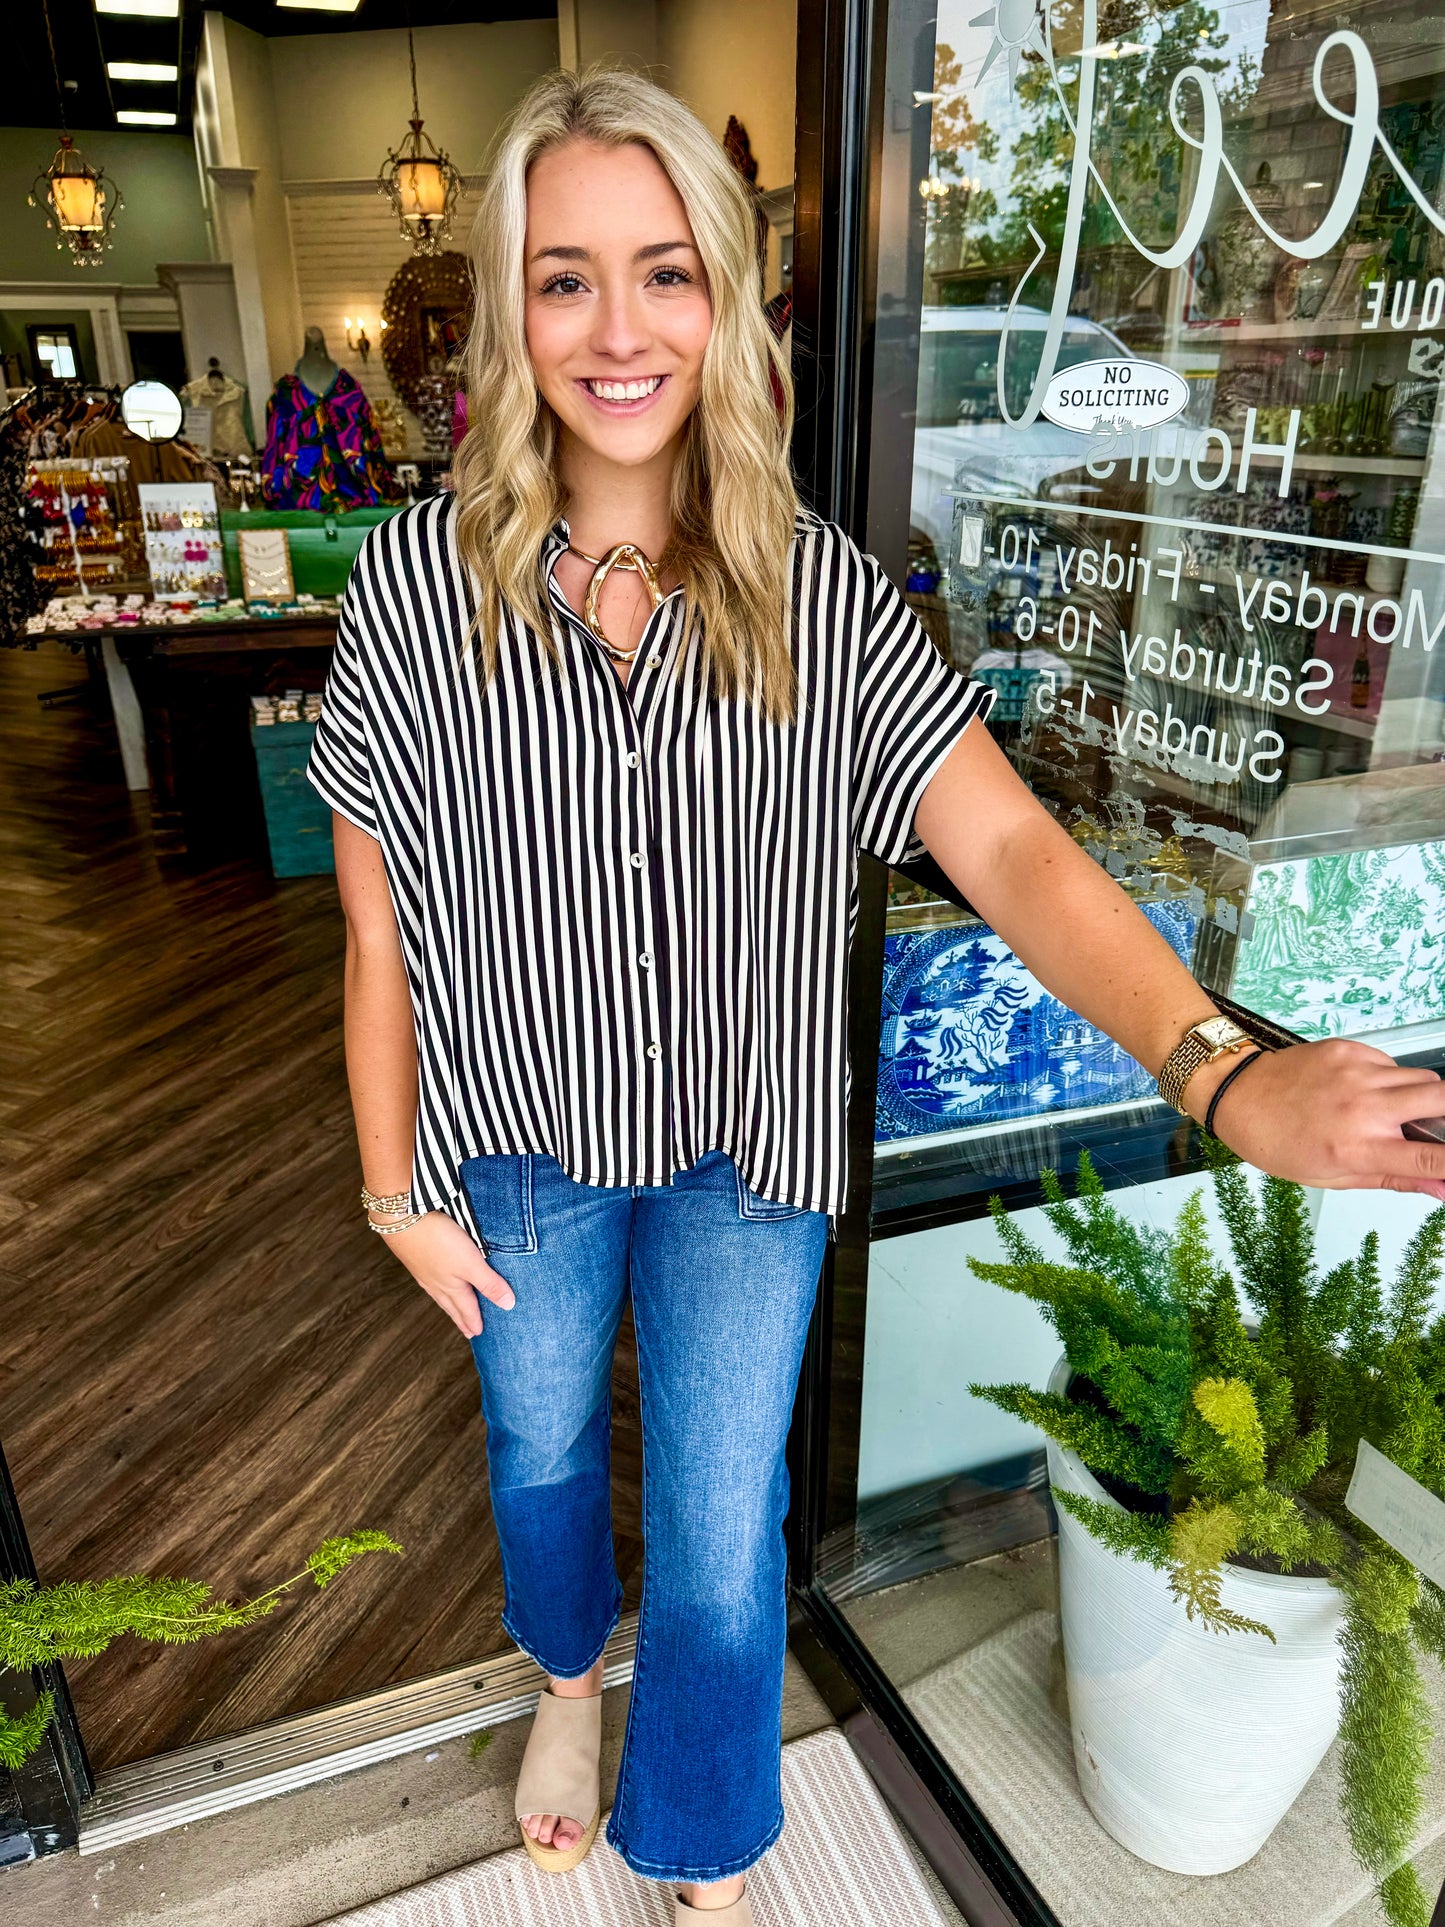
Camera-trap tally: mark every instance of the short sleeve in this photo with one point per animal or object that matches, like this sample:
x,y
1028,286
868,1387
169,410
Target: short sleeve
x,y
339,767
912,708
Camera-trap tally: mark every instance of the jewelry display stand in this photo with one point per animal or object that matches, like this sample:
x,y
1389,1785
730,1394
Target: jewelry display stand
x,y
266,566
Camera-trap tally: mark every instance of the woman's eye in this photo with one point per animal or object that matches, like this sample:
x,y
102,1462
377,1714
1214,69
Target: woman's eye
x,y
672,277
563,284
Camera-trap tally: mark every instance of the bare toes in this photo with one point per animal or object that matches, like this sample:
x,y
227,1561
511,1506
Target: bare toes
x,y
567,1835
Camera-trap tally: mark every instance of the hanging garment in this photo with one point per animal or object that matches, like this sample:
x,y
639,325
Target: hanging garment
x,y
173,461
19,594
323,451
225,399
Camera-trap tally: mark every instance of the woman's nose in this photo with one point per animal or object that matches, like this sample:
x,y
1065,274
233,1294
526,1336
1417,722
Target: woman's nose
x,y
620,328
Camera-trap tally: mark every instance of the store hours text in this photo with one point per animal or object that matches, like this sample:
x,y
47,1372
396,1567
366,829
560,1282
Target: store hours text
x,y
1157,655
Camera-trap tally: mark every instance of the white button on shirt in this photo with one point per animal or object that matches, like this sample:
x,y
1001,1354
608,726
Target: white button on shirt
x,y
504,823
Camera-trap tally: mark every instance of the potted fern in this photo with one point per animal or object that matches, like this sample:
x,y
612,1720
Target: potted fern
x,y
78,1617
1223,1614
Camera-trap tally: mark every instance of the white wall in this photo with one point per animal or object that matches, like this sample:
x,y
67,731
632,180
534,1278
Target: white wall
x,y
933,1328
624,31
238,147
736,58
343,99
721,56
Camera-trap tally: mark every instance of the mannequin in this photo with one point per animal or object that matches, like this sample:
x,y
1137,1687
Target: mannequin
x,y
322,449
226,400
316,369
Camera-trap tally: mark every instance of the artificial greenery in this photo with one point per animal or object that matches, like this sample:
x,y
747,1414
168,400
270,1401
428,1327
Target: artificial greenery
x,y
1229,1443
79,1617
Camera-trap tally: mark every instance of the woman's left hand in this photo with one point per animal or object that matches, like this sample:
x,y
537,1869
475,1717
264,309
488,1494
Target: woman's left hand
x,y
1327,1115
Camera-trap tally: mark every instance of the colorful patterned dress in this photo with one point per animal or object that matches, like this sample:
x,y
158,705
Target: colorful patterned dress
x,y
323,451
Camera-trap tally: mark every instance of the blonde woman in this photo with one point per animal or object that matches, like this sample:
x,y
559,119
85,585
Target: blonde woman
x,y
604,735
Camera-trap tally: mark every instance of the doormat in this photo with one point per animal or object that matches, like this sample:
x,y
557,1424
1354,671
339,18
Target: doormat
x,y
991,1715
841,1862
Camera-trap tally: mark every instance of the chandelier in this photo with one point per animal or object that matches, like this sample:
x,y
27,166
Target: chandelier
x,y
81,203
78,199
419,180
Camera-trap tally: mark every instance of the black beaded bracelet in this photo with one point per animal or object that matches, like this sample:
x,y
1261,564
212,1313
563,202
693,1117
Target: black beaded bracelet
x,y
1224,1084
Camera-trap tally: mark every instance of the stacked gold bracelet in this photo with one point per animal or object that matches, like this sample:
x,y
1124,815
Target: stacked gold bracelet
x,y
397,1201
402,1224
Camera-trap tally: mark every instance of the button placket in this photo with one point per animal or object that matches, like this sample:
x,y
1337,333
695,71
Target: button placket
x,y
650,1001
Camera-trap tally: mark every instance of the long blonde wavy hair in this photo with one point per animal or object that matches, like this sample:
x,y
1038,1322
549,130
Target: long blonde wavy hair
x,y
733,499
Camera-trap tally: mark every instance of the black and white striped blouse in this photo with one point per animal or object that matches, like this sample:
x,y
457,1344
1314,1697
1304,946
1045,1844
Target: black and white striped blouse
x,y
625,911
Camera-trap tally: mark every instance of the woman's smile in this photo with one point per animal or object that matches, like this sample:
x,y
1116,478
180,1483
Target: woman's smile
x,y
617,396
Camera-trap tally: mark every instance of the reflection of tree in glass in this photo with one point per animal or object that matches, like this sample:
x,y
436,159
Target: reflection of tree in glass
x,y
957,141
1133,142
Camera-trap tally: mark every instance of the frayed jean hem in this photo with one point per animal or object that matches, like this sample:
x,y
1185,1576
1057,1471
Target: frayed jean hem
x,y
700,1876
564,1672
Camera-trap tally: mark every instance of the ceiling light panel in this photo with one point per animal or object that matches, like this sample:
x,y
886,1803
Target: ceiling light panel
x,y
141,70
146,9
143,117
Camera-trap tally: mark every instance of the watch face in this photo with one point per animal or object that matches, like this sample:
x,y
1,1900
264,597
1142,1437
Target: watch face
x,y
1220,1032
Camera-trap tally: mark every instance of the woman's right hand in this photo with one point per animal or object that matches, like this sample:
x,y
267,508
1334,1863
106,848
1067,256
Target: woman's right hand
x,y
452,1269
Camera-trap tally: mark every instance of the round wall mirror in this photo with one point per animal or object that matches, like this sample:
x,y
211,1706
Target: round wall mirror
x,y
152,411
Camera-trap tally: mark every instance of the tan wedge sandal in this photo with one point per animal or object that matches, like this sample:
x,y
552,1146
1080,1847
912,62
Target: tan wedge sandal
x,y
560,1775
740,1914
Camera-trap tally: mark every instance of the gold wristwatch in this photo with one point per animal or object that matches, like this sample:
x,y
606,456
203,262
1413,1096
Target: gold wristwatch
x,y
1199,1045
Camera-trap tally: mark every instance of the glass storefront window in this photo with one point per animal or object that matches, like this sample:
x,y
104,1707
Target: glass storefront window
x,y
1157,330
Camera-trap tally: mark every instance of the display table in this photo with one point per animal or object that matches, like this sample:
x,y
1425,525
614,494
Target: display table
x,y
194,683
195,686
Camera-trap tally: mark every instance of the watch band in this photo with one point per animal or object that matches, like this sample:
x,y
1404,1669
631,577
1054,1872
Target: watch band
x,y
1180,1065
1192,1051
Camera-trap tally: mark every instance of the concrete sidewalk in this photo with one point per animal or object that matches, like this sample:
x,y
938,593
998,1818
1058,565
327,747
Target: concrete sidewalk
x,y
302,1857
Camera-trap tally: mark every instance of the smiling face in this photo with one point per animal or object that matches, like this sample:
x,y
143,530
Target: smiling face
x,y
618,313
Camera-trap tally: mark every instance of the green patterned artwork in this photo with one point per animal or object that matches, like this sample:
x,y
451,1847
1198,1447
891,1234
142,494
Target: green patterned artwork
x,y
1343,945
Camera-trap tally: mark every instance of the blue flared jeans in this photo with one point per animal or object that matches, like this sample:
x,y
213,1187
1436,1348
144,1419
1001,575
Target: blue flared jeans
x,y
722,1284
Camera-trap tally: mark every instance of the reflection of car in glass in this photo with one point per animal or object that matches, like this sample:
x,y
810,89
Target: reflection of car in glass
x,y
959,432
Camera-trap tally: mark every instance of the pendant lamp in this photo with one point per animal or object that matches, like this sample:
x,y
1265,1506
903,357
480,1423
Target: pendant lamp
x,y
419,180
82,204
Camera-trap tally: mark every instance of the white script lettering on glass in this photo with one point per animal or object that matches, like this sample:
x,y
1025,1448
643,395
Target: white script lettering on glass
x,y
1363,122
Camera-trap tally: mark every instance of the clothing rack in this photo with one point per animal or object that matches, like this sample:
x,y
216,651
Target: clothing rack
x,y
52,393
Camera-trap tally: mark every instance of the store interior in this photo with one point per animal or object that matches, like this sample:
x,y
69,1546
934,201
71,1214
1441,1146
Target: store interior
x,y
227,354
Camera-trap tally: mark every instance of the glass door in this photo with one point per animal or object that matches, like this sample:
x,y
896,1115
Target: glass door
x,y
1150,335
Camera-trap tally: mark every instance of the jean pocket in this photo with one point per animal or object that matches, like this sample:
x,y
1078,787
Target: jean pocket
x,y
499,1186
750,1205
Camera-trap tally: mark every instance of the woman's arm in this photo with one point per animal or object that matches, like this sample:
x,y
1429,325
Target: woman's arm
x,y
1326,1114
381,1069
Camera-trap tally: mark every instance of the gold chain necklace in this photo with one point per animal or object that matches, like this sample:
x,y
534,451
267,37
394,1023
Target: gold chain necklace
x,y
626,555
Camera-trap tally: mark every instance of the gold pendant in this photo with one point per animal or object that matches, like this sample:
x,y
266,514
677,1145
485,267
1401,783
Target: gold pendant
x,y
626,555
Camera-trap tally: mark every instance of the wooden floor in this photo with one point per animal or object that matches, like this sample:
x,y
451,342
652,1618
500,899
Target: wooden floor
x,y
207,1365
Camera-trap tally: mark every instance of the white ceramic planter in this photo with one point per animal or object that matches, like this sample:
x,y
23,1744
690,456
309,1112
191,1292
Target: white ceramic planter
x,y
1191,1746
